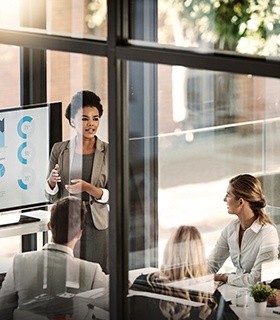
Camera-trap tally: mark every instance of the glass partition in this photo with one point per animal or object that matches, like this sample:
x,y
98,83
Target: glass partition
x,y
77,18
74,18
10,79
190,132
9,97
68,73
9,14
243,27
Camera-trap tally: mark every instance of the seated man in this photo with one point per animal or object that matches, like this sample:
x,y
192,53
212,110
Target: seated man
x,y
44,282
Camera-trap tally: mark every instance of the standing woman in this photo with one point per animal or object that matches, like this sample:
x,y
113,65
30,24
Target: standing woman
x,y
249,240
79,167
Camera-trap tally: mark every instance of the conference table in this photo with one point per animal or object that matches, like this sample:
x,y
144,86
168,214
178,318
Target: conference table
x,y
82,300
246,313
229,294
22,229
36,230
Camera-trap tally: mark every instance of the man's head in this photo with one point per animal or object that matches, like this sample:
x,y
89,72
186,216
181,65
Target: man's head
x,y
67,219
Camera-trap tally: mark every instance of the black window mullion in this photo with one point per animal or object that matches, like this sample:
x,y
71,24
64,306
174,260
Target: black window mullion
x,y
118,161
61,43
33,73
259,66
143,152
33,79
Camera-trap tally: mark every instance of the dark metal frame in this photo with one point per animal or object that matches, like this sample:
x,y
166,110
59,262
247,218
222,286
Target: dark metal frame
x,y
143,153
119,50
118,168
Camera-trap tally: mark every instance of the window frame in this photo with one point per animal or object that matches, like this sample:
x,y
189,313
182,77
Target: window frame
x,y
118,49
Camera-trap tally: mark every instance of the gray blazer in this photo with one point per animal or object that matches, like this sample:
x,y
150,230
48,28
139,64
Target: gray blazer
x,y
38,281
62,154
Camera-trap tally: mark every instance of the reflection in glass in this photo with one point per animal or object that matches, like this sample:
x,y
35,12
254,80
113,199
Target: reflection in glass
x,y
209,127
10,79
224,128
68,73
9,14
9,97
48,282
77,18
241,26
71,18
181,288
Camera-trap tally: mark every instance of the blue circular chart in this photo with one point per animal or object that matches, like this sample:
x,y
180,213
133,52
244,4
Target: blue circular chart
x,y
26,152
26,178
2,170
26,127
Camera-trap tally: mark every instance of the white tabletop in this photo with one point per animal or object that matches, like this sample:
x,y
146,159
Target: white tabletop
x,y
248,313
27,228
229,294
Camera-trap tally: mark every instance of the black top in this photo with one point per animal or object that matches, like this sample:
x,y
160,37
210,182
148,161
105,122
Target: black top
x,y
275,283
82,169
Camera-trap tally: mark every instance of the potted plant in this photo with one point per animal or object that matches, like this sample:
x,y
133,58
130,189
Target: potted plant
x,y
260,293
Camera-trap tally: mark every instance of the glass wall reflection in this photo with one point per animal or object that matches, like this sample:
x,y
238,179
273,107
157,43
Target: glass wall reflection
x,y
190,132
57,278
69,18
68,73
10,81
9,97
243,27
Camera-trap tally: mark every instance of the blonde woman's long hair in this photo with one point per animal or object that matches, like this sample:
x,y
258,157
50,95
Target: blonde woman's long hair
x,y
183,257
249,188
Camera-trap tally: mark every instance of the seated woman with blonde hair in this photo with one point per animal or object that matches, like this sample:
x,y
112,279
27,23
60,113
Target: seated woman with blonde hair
x,y
249,240
183,258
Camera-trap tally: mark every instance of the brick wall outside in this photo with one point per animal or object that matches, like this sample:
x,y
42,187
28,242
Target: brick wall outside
x,y
68,73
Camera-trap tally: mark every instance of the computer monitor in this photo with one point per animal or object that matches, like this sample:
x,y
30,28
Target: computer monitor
x,y
27,134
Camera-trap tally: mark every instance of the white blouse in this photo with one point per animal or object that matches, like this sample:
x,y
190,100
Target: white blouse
x,y
259,244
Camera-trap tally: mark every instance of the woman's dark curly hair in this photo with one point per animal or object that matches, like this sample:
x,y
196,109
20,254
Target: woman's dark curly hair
x,y
80,100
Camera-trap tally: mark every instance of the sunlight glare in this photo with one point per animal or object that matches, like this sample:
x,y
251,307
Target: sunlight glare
x,y
9,13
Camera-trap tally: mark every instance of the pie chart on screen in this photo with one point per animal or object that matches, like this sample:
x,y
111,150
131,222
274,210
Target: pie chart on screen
x,y
2,170
26,178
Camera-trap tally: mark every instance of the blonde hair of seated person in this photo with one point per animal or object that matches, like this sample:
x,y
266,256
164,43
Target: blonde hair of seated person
x,y
249,188
183,257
